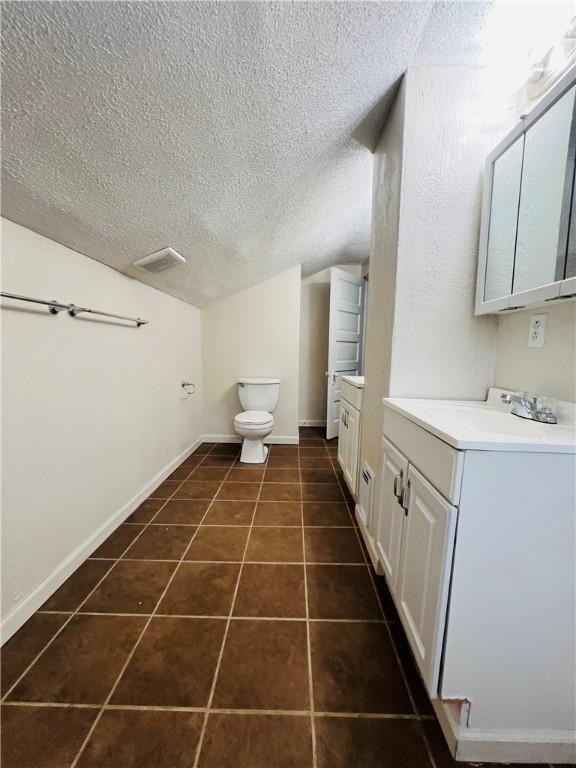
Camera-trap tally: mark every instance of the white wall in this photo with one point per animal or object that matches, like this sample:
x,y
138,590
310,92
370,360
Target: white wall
x,y
550,370
440,349
314,324
252,333
314,318
93,412
386,187
423,338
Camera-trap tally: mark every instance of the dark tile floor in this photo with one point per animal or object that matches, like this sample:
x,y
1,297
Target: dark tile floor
x,y
233,620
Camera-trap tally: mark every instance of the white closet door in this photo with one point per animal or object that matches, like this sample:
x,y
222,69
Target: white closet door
x,y
344,339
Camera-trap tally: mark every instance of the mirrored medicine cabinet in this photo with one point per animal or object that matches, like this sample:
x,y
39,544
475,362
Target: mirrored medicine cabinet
x,y
528,235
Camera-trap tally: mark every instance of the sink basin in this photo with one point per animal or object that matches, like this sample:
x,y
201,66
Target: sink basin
x,y
485,426
489,419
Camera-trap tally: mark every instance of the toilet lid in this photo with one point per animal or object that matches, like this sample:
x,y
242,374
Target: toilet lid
x,y
254,417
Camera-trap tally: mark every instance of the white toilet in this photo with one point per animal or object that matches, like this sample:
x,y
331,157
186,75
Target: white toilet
x,y
259,398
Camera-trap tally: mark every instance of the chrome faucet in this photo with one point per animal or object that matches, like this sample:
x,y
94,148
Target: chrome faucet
x,y
529,407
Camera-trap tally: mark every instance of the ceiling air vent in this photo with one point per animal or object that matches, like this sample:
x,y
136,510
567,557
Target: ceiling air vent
x,y
160,260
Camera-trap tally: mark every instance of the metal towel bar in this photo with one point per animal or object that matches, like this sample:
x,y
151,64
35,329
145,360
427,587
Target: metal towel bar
x,y
55,306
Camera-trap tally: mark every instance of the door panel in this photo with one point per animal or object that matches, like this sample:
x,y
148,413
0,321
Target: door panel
x,y
390,516
545,197
352,441
344,339
343,438
426,562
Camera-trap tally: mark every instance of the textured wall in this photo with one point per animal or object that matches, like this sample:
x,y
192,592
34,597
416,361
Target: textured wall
x,y
92,411
386,185
440,348
253,333
423,338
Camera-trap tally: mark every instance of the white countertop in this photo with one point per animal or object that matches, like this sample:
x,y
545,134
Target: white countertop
x,y
356,381
484,426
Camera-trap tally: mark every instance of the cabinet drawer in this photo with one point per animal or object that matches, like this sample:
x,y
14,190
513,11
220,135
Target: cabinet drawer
x,y
351,394
441,464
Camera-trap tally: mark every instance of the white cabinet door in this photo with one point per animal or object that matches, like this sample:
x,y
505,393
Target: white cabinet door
x,y
342,438
426,562
353,446
390,514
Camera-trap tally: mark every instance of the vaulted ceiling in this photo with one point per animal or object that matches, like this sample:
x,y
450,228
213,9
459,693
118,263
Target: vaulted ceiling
x,y
239,133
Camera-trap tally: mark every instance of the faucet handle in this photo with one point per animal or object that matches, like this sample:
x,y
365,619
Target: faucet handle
x,y
512,397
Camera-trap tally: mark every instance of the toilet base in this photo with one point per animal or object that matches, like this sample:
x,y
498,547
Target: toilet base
x,y
253,452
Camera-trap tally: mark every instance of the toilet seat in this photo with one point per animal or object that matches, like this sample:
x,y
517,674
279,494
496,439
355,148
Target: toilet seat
x,y
258,419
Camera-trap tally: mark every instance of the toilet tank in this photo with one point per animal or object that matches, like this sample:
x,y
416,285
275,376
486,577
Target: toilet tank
x,y
259,394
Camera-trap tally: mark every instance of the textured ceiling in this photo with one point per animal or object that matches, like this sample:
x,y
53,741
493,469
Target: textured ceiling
x,y
237,133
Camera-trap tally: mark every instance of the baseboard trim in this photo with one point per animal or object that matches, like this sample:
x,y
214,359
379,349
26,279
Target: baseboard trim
x,y
506,746
20,614
312,422
273,440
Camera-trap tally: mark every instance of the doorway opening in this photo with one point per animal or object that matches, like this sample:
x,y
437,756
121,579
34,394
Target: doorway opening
x,y
332,322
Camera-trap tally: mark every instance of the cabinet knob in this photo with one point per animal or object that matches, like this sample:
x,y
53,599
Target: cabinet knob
x,y
398,485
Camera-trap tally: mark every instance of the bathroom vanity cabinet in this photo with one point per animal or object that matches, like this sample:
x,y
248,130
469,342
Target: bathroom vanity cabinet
x,y
415,542
528,236
350,429
475,537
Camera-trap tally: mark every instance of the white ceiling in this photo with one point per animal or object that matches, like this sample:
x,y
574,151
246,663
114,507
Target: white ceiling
x,y
238,133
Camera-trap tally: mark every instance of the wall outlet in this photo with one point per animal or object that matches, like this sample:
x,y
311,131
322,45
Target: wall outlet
x,y
537,335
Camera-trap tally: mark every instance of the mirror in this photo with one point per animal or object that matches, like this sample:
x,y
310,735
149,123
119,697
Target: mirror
x,y
506,179
570,270
545,197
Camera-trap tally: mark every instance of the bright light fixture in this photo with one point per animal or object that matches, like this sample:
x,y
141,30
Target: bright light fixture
x,y
517,34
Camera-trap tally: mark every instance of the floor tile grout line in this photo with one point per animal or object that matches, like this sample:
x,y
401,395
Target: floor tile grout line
x,y
428,747
171,497
308,639
415,716
137,642
232,618
114,562
242,525
334,460
391,638
227,627
224,710
273,482
255,562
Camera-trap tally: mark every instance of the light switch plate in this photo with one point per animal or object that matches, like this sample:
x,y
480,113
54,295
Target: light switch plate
x,y
537,335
